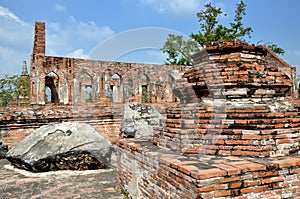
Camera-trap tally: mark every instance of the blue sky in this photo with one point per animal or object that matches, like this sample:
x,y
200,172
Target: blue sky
x,y
79,28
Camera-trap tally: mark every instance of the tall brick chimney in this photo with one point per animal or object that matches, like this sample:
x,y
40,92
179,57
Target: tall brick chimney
x,y
39,44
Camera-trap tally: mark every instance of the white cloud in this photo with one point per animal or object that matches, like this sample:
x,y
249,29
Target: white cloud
x,y
13,47
6,13
59,7
79,53
176,6
72,38
65,38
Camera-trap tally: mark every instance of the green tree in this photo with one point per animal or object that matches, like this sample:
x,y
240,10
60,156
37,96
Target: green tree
x,y
23,85
179,51
7,89
12,88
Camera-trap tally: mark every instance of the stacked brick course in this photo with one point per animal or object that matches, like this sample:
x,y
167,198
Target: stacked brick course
x,y
241,108
243,129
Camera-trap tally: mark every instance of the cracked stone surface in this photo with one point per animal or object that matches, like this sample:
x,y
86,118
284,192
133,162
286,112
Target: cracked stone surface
x,y
72,146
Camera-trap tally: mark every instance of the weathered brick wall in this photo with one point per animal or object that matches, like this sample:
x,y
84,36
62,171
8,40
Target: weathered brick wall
x,y
234,102
251,129
18,122
71,77
146,171
235,133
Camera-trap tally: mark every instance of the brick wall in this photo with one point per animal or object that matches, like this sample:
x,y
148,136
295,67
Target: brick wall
x,y
248,129
72,77
18,122
234,134
146,171
235,101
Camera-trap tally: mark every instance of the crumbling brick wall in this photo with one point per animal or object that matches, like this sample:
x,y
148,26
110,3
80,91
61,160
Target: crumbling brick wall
x,y
107,81
145,171
235,103
234,134
83,90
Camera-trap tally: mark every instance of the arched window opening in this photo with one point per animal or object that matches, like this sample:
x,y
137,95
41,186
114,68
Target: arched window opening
x,y
51,88
144,93
115,76
86,87
171,81
130,89
88,94
115,92
169,89
145,89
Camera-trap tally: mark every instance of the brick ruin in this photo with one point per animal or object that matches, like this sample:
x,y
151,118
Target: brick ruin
x,y
234,134
230,126
70,89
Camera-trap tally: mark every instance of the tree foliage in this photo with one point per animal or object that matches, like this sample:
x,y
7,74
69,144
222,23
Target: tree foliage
x,y
211,29
179,51
12,88
275,48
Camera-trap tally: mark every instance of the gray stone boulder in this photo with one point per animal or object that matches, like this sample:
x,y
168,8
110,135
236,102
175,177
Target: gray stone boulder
x,y
139,120
72,146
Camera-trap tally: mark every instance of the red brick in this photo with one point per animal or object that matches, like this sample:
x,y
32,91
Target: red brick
x,y
208,173
213,188
187,169
229,169
272,180
222,193
235,185
265,174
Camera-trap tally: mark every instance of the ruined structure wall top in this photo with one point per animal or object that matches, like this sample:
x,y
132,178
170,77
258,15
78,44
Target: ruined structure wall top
x,y
39,45
240,64
83,81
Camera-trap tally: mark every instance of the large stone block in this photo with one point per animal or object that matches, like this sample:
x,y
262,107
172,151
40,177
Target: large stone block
x,y
67,145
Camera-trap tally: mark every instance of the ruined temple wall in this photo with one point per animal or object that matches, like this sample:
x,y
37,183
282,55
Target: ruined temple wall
x,y
41,66
74,76
158,79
